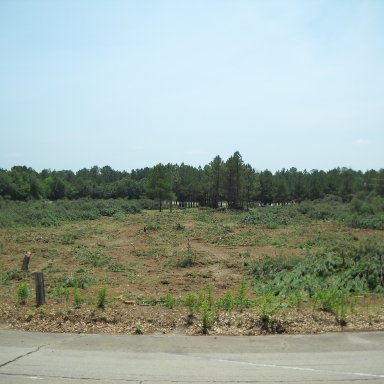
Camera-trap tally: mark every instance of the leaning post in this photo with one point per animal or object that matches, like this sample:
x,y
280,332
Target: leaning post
x,y
26,260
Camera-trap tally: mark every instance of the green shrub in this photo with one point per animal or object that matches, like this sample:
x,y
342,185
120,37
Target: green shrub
x,y
273,217
138,329
78,299
267,267
227,302
207,317
101,297
326,299
366,211
366,222
78,280
191,303
334,301
268,305
351,268
40,213
153,226
169,301
186,260
22,294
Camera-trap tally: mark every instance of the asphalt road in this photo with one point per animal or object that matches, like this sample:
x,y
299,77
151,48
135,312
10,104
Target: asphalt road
x,y
90,359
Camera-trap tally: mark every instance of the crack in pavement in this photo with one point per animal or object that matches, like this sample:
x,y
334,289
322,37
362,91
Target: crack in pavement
x,y
37,349
352,376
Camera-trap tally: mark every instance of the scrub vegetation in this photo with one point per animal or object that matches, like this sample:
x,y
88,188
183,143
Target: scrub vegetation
x,y
305,267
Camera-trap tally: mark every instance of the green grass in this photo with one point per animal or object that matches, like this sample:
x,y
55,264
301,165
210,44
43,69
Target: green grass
x,y
93,257
169,301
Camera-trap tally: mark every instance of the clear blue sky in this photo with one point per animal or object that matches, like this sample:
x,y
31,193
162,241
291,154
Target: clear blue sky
x,y
133,83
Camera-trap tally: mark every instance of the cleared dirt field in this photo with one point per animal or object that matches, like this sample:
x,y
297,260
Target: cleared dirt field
x,y
150,262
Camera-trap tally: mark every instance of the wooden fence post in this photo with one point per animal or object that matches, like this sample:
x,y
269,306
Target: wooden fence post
x,y
40,291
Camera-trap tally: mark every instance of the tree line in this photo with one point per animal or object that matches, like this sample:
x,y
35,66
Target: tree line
x,y
231,181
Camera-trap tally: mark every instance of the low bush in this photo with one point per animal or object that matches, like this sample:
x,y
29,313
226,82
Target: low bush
x,y
227,302
354,270
138,329
186,259
101,297
169,301
22,294
267,306
191,302
77,280
42,213
207,317
78,299
366,211
326,299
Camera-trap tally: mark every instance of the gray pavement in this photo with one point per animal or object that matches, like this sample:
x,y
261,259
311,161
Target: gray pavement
x,y
88,359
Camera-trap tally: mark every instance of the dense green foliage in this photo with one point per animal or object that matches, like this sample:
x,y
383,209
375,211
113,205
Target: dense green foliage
x,y
348,268
22,183
232,181
366,210
41,213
